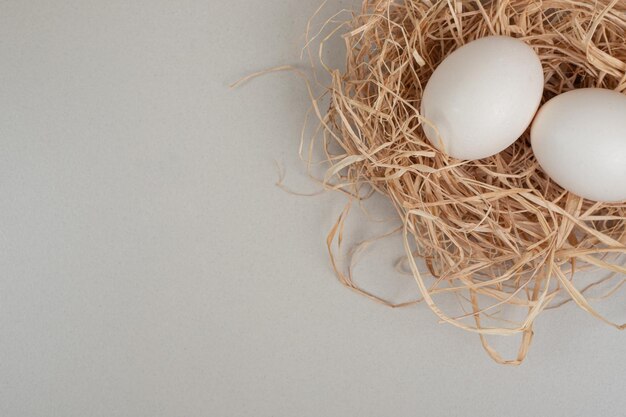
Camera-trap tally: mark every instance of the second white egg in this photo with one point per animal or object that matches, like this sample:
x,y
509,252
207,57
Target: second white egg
x,y
579,139
482,97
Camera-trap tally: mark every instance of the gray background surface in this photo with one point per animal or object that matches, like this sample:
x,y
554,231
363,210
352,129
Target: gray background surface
x,y
150,267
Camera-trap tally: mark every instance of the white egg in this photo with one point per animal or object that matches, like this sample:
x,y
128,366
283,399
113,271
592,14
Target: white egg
x,y
482,97
579,139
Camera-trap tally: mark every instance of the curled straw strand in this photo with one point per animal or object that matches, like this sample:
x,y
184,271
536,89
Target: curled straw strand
x,y
494,232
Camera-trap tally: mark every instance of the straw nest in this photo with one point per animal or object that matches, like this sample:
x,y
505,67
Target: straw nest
x,y
496,234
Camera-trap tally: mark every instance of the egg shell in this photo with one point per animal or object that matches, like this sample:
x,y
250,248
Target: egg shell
x,y
579,139
482,97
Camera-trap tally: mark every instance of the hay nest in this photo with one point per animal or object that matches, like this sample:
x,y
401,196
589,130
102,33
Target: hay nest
x,y
495,232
